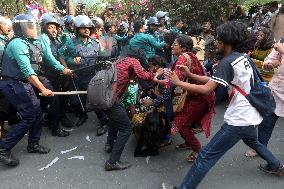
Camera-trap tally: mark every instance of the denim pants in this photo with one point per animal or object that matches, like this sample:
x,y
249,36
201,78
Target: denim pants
x,y
224,140
22,97
266,127
119,130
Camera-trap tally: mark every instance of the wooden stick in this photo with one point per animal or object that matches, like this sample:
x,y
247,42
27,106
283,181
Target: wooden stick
x,y
68,93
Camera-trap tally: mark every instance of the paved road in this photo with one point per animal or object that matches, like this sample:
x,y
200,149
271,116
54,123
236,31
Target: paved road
x,y
233,171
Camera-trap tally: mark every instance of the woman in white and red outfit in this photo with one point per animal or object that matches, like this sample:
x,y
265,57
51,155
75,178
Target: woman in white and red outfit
x,y
274,60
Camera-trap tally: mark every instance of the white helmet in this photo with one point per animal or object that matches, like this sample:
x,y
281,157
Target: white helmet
x,y
161,14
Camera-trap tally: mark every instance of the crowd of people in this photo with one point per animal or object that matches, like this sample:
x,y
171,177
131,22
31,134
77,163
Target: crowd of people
x,y
170,74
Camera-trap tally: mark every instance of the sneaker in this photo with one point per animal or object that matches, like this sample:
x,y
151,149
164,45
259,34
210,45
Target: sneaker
x,y
59,132
266,168
7,158
102,130
168,186
36,148
82,119
117,166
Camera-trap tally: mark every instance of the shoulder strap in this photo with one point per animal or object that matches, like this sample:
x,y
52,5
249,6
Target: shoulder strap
x,y
187,57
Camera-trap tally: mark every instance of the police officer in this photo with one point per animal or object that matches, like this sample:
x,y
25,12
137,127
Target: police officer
x,y
69,28
51,78
5,31
77,53
21,58
152,27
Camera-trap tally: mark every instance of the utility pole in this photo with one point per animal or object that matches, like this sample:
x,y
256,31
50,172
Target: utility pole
x,y
70,7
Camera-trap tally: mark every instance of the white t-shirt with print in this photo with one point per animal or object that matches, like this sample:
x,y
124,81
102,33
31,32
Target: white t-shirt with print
x,y
237,70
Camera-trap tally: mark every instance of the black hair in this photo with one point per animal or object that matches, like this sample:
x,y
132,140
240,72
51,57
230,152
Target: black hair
x,y
185,42
178,19
233,33
108,25
170,37
136,53
194,29
137,26
268,40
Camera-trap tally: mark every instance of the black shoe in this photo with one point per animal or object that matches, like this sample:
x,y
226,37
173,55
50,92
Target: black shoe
x,y
66,122
266,168
167,186
7,158
102,130
36,148
117,166
82,119
108,148
59,132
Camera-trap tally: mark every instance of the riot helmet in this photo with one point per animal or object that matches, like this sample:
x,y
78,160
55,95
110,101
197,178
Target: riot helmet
x,y
24,25
82,21
68,19
69,22
153,21
47,19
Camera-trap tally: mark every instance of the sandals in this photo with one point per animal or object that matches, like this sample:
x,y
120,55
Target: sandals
x,y
191,157
197,130
251,153
182,146
166,143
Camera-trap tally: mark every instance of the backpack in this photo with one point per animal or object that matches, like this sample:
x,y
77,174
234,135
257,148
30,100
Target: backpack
x,y
260,96
100,89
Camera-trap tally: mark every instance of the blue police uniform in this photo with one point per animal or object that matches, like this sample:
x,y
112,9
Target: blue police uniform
x,y
88,52
18,61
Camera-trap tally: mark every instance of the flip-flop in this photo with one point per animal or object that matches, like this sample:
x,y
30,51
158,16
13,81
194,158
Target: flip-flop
x,y
166,143
182,146
191,157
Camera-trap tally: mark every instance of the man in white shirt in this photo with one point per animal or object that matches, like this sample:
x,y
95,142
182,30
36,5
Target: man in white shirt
x,y
241,118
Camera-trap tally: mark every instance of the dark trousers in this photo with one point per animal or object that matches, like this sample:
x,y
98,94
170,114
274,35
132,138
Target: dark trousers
x,y
224,140
81,83
119,130
266,127
53,103
22,97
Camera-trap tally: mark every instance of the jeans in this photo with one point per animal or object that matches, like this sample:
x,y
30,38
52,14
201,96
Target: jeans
x,y
119,130
266,127
224,140
22,97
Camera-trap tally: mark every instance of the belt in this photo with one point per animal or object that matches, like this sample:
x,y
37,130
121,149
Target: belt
x,y
12,78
